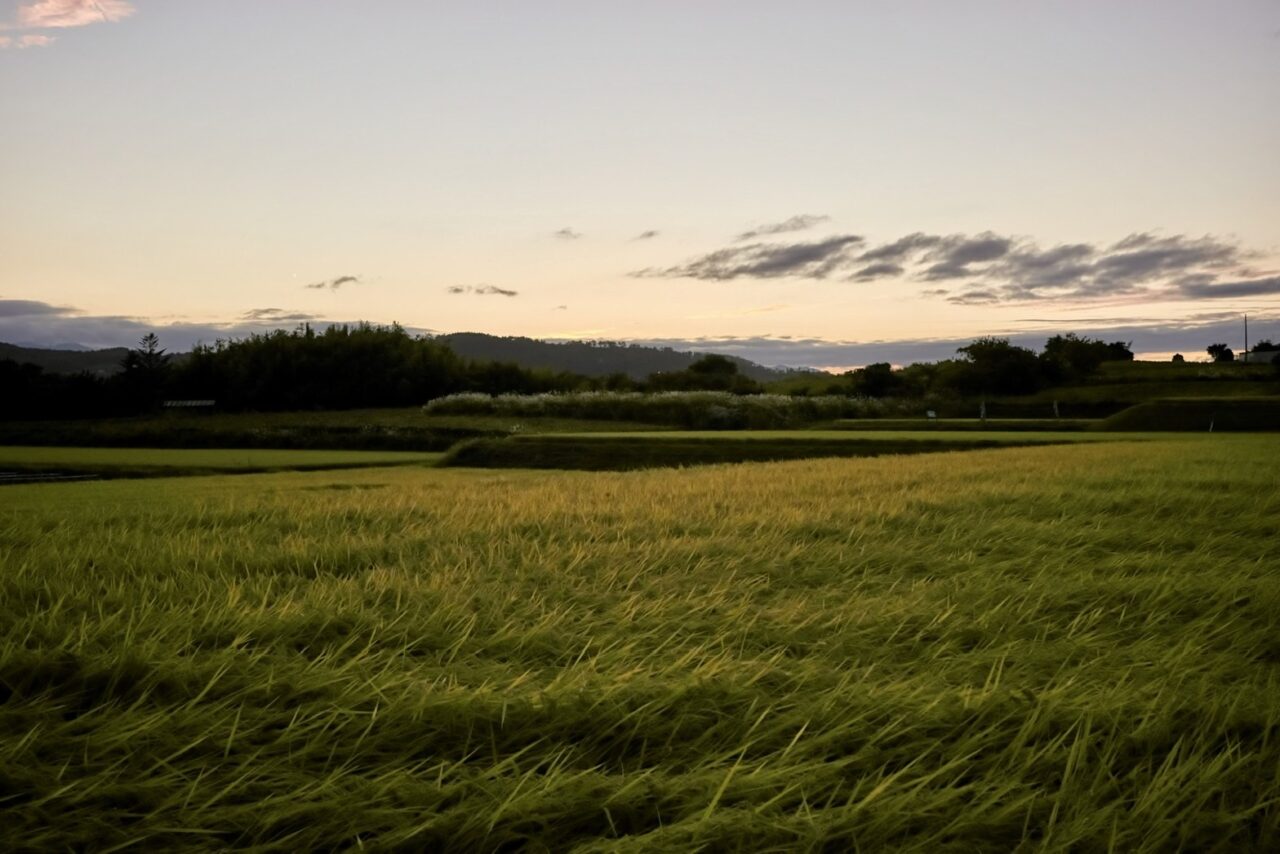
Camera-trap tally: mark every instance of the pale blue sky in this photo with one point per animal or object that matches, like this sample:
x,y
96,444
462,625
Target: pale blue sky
x,y
194,161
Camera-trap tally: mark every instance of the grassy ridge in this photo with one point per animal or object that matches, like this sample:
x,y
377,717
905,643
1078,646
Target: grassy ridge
x,y
1200,415
150,462
1005,425
1066,648
355,429
626,452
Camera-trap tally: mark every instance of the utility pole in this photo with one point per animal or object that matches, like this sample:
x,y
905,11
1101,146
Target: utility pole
x,y
1246,338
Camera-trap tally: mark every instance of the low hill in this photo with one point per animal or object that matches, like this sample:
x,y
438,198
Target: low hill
x,y
590,358
100,362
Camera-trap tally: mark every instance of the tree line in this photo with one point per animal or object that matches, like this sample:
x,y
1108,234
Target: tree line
x,y
351,367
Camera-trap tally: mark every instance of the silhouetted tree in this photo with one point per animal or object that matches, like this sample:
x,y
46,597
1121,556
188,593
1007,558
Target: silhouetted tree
x,y
876,380
709,373
141,383
1120,351
994,366
1177,357
1220,353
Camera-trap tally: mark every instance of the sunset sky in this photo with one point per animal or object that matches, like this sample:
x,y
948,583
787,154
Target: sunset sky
x,y
788,181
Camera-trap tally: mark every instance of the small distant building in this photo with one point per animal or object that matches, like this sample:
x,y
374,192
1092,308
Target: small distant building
x,y
1259,357
192,405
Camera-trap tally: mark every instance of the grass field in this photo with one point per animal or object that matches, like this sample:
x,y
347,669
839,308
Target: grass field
x,y
1073,647
150,462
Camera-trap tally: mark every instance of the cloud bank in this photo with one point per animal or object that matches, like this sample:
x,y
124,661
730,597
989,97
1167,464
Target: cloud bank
x,y
1189,336
990,268
39,324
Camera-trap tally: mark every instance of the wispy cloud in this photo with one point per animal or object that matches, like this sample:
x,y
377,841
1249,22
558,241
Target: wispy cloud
x,y
48,14
991,268
26,41
795,223
333,284
276,315
482,290
646,235
567,234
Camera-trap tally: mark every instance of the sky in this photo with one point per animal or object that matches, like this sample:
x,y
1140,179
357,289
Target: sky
x,y
808,183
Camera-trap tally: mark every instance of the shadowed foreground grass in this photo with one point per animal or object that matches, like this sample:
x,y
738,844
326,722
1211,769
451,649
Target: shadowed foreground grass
x,y
1060,648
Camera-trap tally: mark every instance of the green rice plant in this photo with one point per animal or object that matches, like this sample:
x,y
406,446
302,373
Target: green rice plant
x,y
1060,648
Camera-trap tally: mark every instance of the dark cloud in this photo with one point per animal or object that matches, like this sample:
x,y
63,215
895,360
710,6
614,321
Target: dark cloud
x,y
973,297
953,257
1141,257
795,223
31,308
1269,286
567,234
333,284
989,268
1141,265
646,235
878,271
766,261
482,290
900,249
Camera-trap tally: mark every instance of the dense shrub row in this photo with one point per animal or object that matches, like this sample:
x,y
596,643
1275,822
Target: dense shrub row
x,y
711,410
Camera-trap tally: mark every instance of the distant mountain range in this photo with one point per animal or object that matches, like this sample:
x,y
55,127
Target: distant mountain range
x,y
590,358
67,361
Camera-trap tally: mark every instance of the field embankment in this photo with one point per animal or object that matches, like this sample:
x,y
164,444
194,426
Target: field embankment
x,y
968,425
625,452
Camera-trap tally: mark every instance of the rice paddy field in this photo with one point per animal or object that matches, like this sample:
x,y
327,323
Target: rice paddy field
x,y
1067,647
